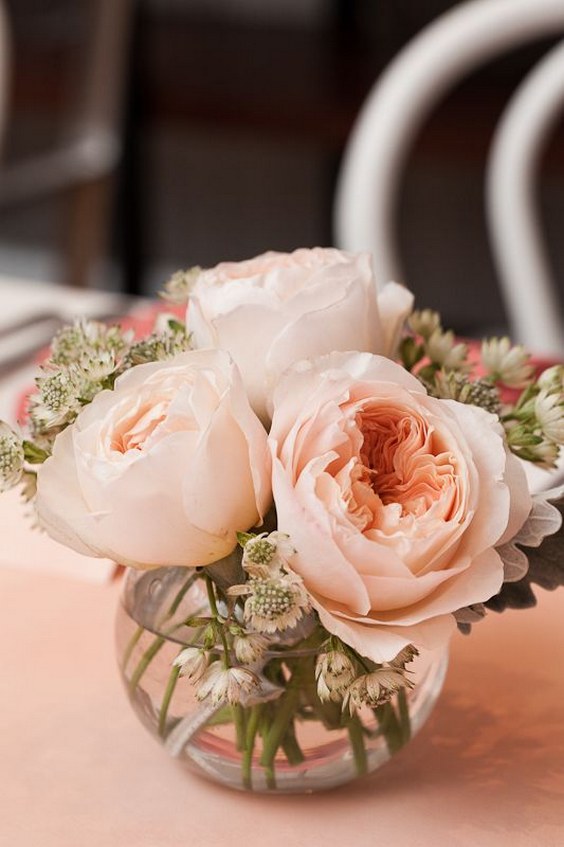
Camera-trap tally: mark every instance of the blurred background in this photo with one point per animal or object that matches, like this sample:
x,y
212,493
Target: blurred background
x,y
225,125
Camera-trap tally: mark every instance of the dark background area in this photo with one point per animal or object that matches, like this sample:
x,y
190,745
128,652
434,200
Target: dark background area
x,y
236,113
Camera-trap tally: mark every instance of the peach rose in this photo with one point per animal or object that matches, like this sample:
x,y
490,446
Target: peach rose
x,y
163,470
395,501
273,310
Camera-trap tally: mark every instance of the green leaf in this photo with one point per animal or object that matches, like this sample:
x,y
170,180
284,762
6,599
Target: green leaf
x,y
546,568
244,537
176,325
411,352
197,622
33,454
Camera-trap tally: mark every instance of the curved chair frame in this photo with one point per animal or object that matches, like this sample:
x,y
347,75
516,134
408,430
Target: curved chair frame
x,y
514,221
402,99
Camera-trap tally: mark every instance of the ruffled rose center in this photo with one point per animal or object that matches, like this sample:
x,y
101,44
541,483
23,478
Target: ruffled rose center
x,y
403,472
134,431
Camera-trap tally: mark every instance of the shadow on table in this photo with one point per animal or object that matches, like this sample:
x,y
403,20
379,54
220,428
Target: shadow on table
x,y
491,754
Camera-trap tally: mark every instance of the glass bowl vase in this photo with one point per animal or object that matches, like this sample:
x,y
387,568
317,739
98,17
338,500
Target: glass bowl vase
x,y
280,738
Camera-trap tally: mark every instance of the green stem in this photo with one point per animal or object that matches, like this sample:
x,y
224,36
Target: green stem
x,y
390,726
169,691
285,709
403,713
131,645
144,662
213,606
356,738
251,734
240,727
156,645
180,596
291,747
270,776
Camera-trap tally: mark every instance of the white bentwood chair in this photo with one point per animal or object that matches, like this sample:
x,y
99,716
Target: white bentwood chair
x,y
394,112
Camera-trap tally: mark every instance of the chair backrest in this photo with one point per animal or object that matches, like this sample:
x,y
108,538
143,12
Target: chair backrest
x,y
514,220
391,117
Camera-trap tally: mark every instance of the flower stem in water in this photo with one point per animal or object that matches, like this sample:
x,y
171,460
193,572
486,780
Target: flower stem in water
x,y
156,645
239,720
392,729
250,737
169,691
131,645
403,712
285,709
356,738
144,663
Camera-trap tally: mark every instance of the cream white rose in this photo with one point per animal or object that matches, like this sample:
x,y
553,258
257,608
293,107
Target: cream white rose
x,y
163,470
277,308
395,501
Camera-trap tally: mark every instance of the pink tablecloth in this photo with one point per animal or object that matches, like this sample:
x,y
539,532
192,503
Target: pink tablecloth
x,y
77,769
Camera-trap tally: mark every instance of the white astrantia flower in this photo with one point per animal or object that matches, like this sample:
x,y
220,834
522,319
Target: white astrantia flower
x,y
100,366
404,657
374,689
193,663
270,551
11,457
57,401
442,350
177,288
543,454
552,379
226,685
507,363
549,411
276,603
334,672
249,647
87,339
424,322
453,385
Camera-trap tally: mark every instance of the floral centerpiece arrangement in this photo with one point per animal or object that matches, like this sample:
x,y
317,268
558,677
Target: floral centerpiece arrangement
x,y
312,485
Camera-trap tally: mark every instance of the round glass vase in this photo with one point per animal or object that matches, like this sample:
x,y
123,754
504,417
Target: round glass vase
x,y
280,737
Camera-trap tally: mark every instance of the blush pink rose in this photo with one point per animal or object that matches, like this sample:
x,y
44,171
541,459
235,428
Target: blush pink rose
x,y
162,470
277,308
395,501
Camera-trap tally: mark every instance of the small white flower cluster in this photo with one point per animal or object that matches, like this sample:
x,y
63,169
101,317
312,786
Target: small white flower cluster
x,y
235,641
535,425
168,339
438,346
221,684
341,680
57,401
85,340
275,596
84,359
177,288
374,689
457,386
506,363
11,458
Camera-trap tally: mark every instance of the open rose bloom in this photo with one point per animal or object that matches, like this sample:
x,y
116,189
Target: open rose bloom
x,y
162,470
395,501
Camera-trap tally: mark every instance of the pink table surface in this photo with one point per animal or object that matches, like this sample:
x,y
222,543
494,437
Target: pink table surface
x,y
77,769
